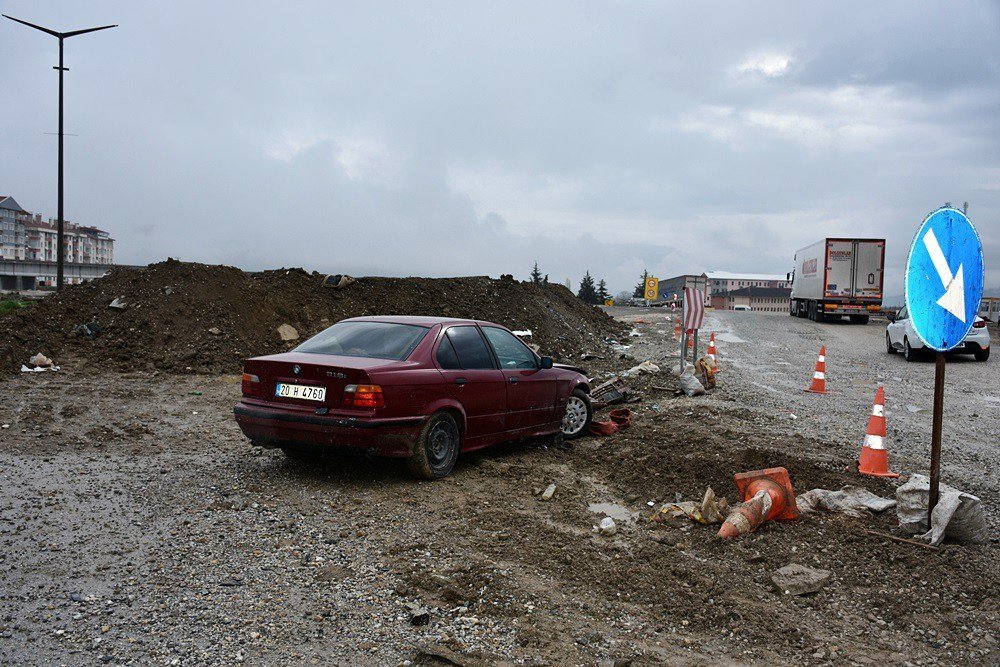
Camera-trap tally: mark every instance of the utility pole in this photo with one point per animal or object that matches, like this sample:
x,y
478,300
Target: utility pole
x,y
61,36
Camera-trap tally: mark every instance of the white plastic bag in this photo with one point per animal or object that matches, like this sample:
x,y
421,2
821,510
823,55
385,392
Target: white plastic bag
x,y
690,384
957,515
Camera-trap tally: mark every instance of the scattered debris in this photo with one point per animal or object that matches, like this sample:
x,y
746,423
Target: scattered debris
x,y
288,332
337,281
40,360
904,540
549,491
523,333
589,356
710,510
850,500
767,494
117,304
215,331
607,526
957,515
619,418
419,615
690,386
644,367
705,370
610,392
88,330
797,579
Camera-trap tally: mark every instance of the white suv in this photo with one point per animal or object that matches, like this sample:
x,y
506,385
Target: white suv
x,y
900,336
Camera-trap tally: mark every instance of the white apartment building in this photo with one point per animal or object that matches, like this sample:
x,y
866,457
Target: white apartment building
x,y
12,233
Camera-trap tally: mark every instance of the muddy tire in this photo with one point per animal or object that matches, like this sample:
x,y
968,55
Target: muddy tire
x,y
437,448
579,414
908,352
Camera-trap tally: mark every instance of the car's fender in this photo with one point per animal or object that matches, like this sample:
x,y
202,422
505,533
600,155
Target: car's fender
x,y
448,403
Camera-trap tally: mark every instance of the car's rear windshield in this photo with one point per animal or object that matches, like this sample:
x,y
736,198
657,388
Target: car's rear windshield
x,y
375,340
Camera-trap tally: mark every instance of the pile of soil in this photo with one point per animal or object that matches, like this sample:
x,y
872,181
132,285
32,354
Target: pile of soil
x,y
181,316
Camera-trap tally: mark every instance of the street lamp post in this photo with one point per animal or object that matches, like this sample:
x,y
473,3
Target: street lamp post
x,y
61,36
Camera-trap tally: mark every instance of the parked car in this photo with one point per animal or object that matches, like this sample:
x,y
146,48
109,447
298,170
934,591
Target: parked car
x,y
423,388
901,337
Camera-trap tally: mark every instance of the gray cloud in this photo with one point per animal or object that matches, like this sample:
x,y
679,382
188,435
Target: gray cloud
x,y
457,138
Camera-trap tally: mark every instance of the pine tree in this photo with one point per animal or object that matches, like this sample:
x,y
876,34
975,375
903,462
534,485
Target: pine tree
x,y
602,291
587,292
640,289
536,275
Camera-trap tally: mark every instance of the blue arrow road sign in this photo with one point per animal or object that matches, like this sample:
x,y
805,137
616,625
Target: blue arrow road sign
x,y
944,279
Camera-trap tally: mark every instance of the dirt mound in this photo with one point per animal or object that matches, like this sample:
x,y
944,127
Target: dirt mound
x,y
181,316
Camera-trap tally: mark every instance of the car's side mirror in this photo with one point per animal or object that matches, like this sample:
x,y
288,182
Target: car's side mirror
x,y
545,362
892,317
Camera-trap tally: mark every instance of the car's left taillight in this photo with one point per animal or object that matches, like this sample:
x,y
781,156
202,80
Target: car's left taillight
x,y
363,396
251,384
980,324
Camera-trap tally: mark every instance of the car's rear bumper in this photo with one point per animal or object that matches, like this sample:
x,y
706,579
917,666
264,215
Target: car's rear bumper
x,y
394,436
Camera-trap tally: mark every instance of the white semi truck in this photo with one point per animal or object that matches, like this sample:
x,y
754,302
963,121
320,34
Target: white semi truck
x,y
838,277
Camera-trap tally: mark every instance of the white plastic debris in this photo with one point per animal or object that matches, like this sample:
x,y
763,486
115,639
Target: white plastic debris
x,y
525,333
608,526
644,367
690,385
40,360
117,304
851,500
38,369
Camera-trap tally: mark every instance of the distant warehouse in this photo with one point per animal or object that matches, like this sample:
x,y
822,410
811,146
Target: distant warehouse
x,y
760,299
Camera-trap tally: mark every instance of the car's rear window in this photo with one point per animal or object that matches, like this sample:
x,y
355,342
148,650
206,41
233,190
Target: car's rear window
x,y
375,340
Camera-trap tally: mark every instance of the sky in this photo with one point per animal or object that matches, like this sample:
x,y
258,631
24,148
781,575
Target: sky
x,y
475,138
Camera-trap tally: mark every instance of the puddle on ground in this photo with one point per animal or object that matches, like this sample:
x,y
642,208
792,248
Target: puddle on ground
x,y
613,510
729,338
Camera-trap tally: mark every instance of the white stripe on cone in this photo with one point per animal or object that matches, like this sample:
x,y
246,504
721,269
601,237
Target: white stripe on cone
x,y
822,358
819,375
878,410
874,441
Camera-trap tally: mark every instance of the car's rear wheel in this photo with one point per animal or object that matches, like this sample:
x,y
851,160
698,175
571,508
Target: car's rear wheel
x,y
908,352
579,414
888,345
437,447
982,355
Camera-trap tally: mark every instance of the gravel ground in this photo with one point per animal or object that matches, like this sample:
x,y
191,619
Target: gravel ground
x,y
137,526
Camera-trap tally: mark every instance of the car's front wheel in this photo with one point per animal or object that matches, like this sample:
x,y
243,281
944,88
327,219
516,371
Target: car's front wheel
x,y
579,414
908,352
888,345
437,447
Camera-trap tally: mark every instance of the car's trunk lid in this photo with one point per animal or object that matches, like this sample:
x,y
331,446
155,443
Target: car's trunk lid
x,y
314,370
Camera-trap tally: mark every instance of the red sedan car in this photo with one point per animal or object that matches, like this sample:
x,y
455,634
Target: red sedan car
x,y
424,388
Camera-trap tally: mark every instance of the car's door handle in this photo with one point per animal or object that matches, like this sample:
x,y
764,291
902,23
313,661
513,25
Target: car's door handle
x,y
514,380
461,381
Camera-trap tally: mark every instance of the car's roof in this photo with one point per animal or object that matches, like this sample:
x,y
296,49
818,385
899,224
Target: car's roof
x,y
418,320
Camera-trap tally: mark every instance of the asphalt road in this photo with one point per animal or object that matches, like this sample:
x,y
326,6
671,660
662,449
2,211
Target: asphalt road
x,y
768,361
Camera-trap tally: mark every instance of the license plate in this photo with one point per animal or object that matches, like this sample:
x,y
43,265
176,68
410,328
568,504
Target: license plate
x,y
302,391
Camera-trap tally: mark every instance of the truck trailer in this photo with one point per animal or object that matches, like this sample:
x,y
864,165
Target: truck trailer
x,y
838,277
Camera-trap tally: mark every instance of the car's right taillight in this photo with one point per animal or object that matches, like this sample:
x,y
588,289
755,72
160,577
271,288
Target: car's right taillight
x,y
363,396
981,324
251,385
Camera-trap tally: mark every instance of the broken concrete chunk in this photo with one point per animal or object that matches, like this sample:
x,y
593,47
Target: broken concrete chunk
x,y
797,579
288,332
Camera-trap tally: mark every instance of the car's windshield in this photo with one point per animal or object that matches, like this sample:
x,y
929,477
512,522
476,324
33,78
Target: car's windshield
x,y
375,340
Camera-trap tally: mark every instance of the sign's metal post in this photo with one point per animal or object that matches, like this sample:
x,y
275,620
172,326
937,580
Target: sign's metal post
x,y
932,499
683,343
694,349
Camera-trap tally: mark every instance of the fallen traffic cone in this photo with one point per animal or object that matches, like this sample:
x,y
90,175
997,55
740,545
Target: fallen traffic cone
x,y
767,494
818,385
874,459
711,352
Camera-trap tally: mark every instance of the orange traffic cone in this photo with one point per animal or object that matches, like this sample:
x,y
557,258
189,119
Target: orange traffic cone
x,y
767,494
711,352
677,331
874,459
690,336
818,385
